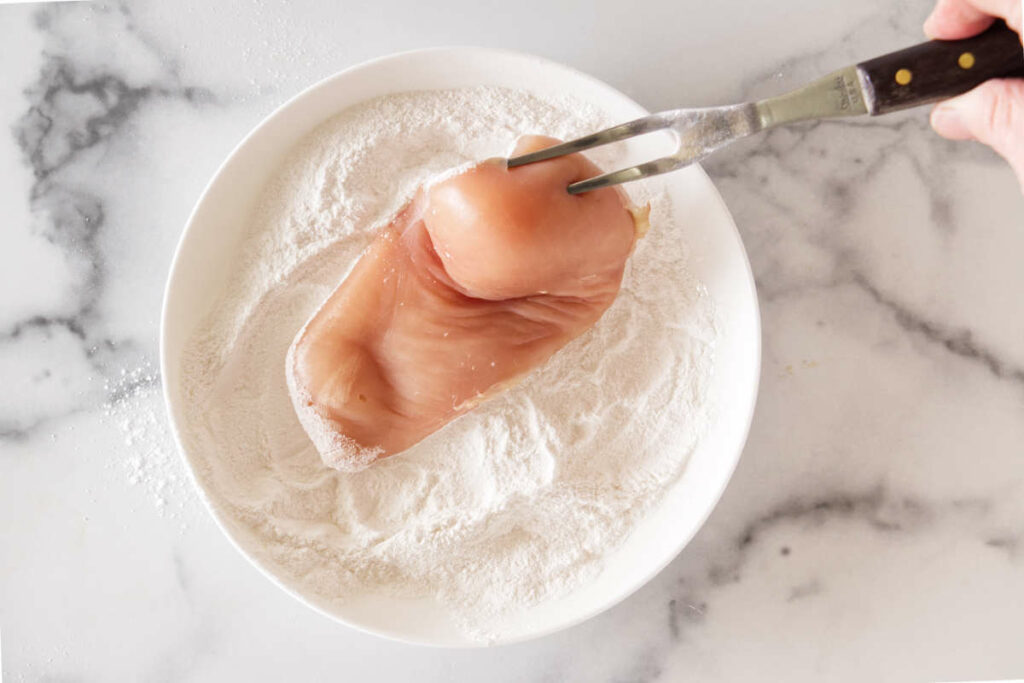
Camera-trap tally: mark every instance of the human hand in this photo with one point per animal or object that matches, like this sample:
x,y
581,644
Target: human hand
x,y
992,113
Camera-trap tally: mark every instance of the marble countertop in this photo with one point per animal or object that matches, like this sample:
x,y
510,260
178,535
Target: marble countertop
x,y
874,529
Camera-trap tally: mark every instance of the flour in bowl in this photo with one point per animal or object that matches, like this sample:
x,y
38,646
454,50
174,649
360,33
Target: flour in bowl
x,y
517,502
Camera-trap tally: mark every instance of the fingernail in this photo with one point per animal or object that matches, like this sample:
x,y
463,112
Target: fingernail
x,y
933,21
947,122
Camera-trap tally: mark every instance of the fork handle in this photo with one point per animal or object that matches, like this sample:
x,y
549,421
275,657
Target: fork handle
x,y
939,69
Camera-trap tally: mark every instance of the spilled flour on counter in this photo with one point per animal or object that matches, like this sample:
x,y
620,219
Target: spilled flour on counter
x,y
151,462
517,502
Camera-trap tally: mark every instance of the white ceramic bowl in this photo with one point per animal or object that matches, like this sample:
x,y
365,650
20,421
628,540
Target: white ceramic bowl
x,y
205,252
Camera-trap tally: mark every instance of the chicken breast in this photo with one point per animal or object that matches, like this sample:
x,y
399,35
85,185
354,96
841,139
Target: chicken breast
x,y
478,280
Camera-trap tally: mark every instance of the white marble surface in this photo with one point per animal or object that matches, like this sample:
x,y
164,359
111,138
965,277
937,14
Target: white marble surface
x,y
873,531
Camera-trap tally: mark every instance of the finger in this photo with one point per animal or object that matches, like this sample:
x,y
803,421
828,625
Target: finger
x,y
992,113
955,19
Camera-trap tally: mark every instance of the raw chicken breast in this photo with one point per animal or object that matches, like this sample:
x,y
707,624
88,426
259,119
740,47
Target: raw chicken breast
x,y
478,280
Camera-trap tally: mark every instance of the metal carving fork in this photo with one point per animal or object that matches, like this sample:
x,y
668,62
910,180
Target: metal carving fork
x,y
918,75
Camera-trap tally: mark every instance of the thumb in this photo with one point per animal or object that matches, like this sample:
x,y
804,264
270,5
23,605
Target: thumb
x,y
993,114
954,19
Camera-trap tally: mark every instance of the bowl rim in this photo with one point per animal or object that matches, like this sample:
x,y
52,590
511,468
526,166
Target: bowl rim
x,y
173,272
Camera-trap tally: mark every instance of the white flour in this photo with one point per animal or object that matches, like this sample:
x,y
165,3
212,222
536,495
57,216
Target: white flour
x,y
518,501
136,409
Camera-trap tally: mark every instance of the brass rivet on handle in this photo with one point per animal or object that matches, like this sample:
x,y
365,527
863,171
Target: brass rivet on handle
x,y
904,76
966,60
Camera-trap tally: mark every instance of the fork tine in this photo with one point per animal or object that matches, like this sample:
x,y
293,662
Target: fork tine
x,y
623,131
625,175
